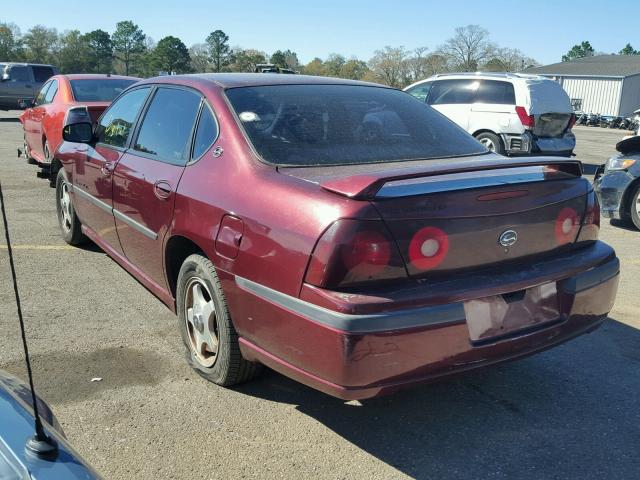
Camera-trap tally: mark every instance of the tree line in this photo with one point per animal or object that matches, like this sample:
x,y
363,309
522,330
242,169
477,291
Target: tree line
x,y
129,51
584,49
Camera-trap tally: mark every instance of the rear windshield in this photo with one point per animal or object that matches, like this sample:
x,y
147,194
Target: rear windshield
x,y
308,125
98,89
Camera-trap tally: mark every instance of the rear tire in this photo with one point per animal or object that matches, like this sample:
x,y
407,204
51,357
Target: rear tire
x,y
491,141
632,213
70,226
208,334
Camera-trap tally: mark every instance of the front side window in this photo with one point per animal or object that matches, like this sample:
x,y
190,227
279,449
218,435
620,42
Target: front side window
x,y
41,94
42,74
98,90
166,128
451,92
51,93
421,92
115,125
306,125
496,91
20,74
206,133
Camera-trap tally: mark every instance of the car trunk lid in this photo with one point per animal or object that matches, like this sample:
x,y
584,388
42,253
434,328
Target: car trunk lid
x,y
471,213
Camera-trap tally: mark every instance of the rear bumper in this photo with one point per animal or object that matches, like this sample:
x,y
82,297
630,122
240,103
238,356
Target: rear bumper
x,y
528,144
610,189
362,348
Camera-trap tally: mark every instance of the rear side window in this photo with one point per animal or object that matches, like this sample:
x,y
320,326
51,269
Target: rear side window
x,y
495,91
43,91
115,125
42,74
167,125
20,74
447,92
51,93
308,125
98,90
421,92
206,133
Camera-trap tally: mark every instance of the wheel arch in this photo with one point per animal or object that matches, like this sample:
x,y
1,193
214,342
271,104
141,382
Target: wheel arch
x,y
486,130
177,249
628,192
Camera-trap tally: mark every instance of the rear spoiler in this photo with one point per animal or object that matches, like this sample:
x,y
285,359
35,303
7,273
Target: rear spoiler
x,y
366,186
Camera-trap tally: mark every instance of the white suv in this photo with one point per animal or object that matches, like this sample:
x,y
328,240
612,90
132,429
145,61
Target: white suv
x,y
510,113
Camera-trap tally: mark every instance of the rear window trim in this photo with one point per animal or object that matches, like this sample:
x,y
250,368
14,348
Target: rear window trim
x,y
295,165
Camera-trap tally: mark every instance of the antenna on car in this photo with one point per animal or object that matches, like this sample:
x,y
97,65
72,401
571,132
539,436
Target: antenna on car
x,y
41,445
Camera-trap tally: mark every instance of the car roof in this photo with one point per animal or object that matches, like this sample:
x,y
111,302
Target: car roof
x,y
232,80
25,64
90,76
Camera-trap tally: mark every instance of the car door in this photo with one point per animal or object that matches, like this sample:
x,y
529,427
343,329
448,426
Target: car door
x,y
37,116
93,168
29,127
453,98
147,175
494,106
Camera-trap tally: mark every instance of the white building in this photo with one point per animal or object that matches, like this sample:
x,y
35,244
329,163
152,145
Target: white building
x,y
604,84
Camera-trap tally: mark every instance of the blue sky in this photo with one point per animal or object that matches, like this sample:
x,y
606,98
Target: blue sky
x,y
542,29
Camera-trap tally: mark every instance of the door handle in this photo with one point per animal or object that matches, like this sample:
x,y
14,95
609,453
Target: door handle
x,y
162,189
106,169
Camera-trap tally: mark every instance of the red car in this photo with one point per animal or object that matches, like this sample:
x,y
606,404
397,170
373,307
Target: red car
x,y
339,232
42,123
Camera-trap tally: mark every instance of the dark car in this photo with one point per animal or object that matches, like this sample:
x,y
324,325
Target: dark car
x,y
20,82
16,427
617,183
342,233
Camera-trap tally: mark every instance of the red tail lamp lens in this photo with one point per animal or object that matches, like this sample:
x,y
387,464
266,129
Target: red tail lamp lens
x,y
367,248
591,222
567,225
572,121
526,120
354,252
428,248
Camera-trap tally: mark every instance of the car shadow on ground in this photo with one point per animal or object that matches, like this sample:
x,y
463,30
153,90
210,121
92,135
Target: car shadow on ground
x,y
621,224
570,412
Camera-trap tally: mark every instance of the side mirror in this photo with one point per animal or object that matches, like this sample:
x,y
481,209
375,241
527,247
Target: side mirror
x,y
77,127
6,77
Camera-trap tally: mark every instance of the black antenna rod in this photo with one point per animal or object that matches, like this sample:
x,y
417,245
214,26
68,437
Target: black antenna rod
x,y
41,444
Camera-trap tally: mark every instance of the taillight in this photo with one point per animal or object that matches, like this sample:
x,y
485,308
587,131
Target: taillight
x,y
527,121
352,252
428,248
567,224
591,221
572,121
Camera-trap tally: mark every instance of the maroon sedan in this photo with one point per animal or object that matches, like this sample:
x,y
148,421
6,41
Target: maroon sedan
x,y
339,232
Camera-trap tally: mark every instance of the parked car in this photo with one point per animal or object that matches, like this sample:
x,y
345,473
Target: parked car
x,y
17,426
336,231
20,82
509,113
617,183
42,121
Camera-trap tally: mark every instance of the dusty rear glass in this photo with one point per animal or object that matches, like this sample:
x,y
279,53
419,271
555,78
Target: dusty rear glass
x,y
306,125
98,90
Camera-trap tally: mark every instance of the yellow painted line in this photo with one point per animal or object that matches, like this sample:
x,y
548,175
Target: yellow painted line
x,y
39,247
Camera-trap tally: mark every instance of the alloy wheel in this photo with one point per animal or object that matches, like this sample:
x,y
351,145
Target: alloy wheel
x,y
488,143
201,322
65,207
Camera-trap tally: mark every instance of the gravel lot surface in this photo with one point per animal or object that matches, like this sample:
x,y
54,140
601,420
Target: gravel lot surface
x,y
572,412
